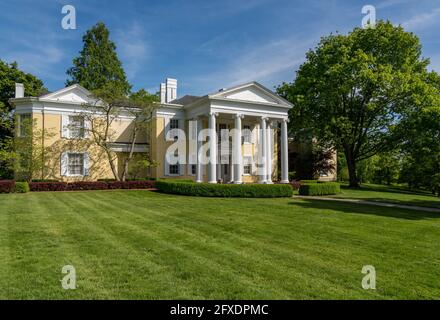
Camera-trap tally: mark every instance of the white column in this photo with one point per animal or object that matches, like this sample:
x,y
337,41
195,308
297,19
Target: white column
x,y
269,152
238,157
284,153
231,172
262,154
199,166
212,148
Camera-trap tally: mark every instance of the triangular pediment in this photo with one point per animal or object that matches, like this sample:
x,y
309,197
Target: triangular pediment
x,y
251,92
74,93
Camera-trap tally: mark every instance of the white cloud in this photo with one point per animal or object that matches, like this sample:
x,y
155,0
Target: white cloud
x,y
391,3
133,49
259,62
422,20
39,59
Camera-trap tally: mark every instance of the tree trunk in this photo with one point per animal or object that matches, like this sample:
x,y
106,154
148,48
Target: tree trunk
x,y
351,165
112,165
130,155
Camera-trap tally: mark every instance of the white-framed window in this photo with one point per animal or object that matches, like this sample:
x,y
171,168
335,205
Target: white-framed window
x,y
247,165
76,127
74,164
174,123
25,124
174,169
247,134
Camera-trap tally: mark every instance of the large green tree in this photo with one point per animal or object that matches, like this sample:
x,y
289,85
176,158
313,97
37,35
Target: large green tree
x,y
421,146
9,75
354,90
98,64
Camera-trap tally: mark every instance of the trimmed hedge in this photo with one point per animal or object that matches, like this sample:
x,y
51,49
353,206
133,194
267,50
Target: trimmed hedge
x,y
7,186
177,180
90,185
319,189
21,187
309,181
48,186
225,190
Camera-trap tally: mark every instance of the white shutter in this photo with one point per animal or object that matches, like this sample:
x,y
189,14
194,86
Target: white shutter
x,y
182,136
87,128
65,126
86,163
166,127
166,166
192,154
64,163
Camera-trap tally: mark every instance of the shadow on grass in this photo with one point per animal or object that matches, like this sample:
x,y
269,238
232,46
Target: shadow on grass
x,y
379,194
356,208
388,189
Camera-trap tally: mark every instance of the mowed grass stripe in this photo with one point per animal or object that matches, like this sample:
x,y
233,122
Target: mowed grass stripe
x,y
315,267
316,262
54,247
140,244
204,254
121,259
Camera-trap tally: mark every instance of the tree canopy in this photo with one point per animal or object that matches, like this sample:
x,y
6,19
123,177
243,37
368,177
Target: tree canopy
x,y
9,75
354,91
98,63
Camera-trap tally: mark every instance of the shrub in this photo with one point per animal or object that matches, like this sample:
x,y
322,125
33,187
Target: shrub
x,y
87,185
295,184
48,186
176,180
319,189
90,185
44,180
309,181
21,187
292,175
135,184
7,186
226,190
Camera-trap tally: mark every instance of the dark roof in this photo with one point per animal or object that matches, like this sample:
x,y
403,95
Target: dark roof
x,y
185,100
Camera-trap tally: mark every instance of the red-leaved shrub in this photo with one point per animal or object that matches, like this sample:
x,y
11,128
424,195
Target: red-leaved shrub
x,y
90,185
7,186
48,186
295,184
86,185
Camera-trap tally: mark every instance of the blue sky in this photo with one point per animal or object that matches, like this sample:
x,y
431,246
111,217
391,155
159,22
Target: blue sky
x,y
205,44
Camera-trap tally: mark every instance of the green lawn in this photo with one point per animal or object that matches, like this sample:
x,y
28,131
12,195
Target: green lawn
x,y
393,194
140,244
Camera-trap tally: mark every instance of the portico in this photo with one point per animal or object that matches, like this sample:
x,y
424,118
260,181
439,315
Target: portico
x,y
252,120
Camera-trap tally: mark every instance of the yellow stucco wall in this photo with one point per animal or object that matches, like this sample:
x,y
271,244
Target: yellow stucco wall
x,y
99,165
49,125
